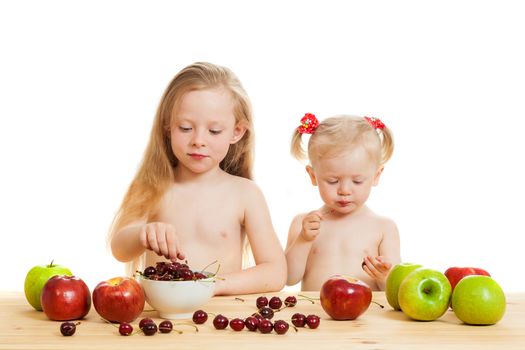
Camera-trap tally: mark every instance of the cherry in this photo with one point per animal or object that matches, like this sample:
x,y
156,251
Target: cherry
x,y
237,324
162,268
275,303
290,301
266,312
261,302
252,323
281,327
298,320
186,274
199,276
144,322
165,326
313,321
125,328
200,316
149,271
220,322
68,328
149,328
265,326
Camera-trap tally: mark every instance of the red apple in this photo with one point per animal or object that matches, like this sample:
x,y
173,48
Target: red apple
x,y
65,298
345,298
455,274
119,299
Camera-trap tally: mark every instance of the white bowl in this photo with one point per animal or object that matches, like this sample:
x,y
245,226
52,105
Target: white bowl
x,y
177,299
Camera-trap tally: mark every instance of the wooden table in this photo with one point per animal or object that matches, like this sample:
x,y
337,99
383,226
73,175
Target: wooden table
x,y
23,328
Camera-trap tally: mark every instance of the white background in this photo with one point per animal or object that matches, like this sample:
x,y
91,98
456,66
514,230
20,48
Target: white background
x,y
80,83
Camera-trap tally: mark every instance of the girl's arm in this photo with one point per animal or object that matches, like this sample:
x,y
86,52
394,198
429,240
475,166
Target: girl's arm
x,y
297,251
269,273
125,243
133,239
389,250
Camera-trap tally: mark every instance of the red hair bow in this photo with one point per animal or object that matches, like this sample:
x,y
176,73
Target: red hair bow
x,y
375,122
308,124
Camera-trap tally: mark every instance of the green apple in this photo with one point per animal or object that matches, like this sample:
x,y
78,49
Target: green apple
x,y
478,300
394,279
424,294
37,277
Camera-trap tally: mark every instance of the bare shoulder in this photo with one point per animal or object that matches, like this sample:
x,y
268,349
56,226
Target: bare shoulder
x,y
245,187
386,224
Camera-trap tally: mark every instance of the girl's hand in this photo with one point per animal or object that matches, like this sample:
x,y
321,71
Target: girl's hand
x,y
162,239
311,225
376,267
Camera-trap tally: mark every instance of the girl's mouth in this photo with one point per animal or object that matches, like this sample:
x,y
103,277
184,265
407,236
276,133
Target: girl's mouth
x,y
197,155
343,203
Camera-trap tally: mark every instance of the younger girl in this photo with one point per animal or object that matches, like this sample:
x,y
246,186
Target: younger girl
x,y
192,197
344,236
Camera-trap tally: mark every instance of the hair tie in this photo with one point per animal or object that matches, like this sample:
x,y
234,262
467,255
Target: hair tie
x,y
375,122
308,124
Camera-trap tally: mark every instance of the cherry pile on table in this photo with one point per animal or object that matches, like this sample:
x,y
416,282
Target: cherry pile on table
x,y
261,320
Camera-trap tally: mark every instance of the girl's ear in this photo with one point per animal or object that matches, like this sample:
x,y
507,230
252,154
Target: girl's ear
x,y
310,172
238,133
378,175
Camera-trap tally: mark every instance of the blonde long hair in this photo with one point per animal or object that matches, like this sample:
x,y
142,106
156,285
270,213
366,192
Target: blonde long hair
x,y
155,172
336,134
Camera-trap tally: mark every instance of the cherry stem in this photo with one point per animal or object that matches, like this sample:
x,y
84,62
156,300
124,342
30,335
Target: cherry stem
x,y
186,324
111,323
240,299
210,264
380,305
217,271
295,328
308,298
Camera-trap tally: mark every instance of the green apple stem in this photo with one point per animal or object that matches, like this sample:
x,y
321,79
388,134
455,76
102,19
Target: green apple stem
x,y
51,264
380,305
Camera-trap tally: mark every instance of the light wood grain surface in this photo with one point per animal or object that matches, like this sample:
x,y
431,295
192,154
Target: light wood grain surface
x,y
21,327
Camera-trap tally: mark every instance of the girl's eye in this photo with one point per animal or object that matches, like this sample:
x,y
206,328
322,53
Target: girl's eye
x,y
215,132
358,182
332,182
184,129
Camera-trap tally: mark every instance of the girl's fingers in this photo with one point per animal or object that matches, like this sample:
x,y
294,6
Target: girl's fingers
x,y
143,237
152,240
171,243
179,253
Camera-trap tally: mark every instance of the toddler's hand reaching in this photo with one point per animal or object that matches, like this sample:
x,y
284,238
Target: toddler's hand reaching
x,y
162,239
376,267
311,225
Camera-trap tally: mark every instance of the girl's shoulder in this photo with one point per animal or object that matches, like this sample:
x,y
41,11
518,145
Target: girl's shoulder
x,y
244,186
381,220
240,182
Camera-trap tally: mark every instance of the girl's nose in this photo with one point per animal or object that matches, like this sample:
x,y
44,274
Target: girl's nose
x,y
345,189
198,139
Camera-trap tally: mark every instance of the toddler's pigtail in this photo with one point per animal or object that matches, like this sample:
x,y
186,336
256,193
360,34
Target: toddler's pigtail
x,y
387,144
309,124
296,148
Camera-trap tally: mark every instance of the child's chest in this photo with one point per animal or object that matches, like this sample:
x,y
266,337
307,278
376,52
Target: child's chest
x,y
205,217
356,239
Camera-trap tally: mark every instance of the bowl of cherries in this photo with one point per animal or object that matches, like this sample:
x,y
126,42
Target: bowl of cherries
x,y
175,290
